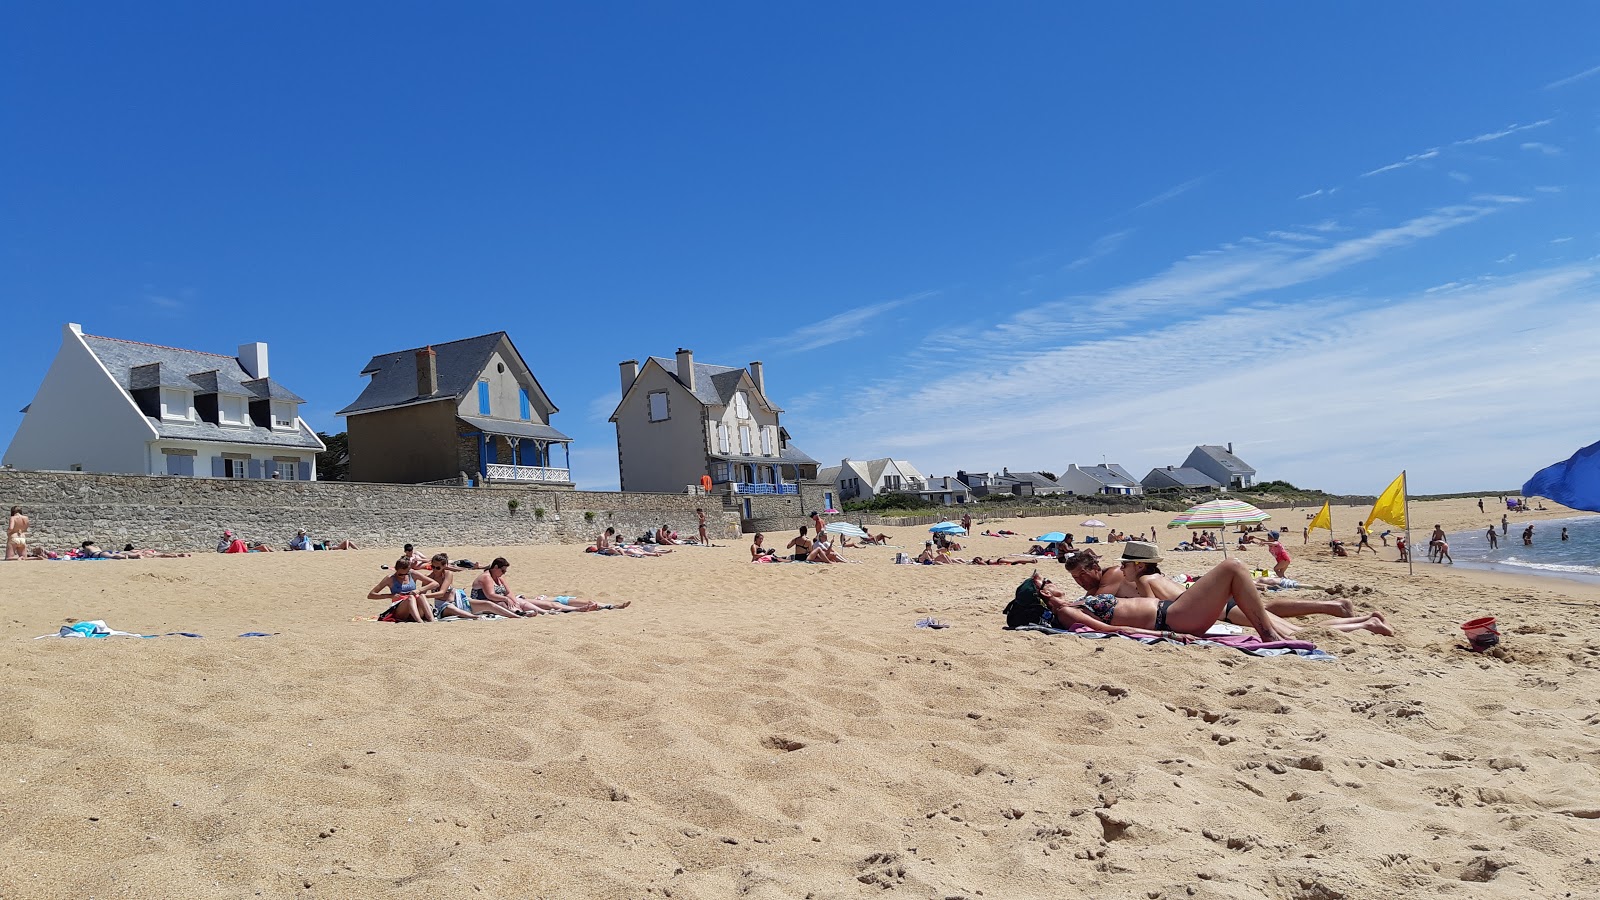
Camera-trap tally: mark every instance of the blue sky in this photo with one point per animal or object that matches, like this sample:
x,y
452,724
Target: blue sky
x,y
1349,239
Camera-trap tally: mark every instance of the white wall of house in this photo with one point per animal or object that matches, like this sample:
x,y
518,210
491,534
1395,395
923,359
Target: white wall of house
x,y
759,423
665,455
237,460
80,417
505,387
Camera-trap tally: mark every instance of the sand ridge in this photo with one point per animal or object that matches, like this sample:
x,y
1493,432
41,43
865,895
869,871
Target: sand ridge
x,y
784,731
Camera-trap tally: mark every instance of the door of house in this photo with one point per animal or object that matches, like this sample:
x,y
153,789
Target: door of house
x,y
827,499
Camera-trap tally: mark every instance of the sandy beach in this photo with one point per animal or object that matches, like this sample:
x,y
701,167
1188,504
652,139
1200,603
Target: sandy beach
x,y
784,731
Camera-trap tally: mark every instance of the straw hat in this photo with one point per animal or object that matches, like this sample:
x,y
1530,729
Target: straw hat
x,y
1141,552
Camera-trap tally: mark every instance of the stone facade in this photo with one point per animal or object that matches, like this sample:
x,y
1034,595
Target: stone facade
x,y
176,513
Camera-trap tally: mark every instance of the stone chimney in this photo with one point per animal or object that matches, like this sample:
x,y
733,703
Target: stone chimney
x,y
759,377
427,372
630,373
686,368
72,328
253,358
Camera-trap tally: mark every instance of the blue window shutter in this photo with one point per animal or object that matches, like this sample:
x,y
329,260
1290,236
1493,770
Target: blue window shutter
x,y
305,471
254,468
527,411
188,466
270,468
494,451
216,468
483,397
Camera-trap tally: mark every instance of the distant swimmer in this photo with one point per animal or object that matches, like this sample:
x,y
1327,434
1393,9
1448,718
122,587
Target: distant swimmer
x,y
1527,536
1563,534
1494,539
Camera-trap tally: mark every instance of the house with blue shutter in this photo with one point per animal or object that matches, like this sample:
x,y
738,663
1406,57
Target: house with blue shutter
x,y
114,406
471,406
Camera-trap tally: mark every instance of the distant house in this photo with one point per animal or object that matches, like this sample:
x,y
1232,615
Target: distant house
x,y
864,479
1027,483
945,490
1223,467
679,420
1178,478
121,407
431,413
1102,479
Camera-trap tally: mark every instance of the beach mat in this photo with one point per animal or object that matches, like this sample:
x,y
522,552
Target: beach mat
x,y
1245,643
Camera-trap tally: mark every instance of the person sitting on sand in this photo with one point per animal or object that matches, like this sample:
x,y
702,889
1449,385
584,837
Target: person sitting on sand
x,y
491,585
933,556
300,541
757,551
801,546
417,559
447,601
822,551
404,591
666,537
606,543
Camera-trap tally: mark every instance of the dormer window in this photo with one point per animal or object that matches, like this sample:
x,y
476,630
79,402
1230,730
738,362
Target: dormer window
x,y
282,415
232,410
741,408
177,404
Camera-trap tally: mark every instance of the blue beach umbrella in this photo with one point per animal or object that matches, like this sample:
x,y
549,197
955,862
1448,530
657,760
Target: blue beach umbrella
x,y
948,528
1051,537
1573,482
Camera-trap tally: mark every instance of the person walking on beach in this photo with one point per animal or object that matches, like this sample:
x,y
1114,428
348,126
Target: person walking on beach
x,y
704,541
17,535
1480,504
1494,539
966,522
1362,540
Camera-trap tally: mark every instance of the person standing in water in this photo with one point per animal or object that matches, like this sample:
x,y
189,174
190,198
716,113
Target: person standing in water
x,y
1563,534
1494,539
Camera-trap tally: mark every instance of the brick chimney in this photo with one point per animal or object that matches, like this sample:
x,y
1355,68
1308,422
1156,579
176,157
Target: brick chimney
x,y
686,368
759,377
427,372
630,373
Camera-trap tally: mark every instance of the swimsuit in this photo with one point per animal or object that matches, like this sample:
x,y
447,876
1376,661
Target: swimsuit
x,y
1101,606
1161,614
398,587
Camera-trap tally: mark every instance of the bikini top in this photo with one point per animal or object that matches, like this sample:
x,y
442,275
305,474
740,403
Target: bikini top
x,y
396,586
1101,606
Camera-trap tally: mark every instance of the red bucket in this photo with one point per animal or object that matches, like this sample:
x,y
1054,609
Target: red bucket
x,y
1482,632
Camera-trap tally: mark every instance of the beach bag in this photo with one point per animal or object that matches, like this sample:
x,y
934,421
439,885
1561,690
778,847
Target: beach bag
x,y
1025,608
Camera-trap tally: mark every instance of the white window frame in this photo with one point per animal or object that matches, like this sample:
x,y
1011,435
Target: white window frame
x,y
232,410
722,437
650,406
180,398
288,467
239,463
744,440
284,406
741,406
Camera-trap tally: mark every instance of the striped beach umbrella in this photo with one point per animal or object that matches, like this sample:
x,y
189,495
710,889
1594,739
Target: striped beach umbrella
x,y
845,528
1219,513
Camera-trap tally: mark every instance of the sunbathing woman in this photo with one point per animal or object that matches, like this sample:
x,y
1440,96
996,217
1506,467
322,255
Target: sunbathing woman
x,y
491,585
1143,577
404,590
871,538
444,597
1192,612
756,550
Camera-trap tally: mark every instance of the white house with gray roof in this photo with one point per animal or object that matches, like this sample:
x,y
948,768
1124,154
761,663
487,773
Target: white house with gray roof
x,y
679,420
123,407
1221,465
1178,478
469,406
1102,479
856,479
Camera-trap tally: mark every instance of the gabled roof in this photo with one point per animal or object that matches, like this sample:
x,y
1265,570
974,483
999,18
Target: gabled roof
x,y
1109,475
713,385
394,375
1184,476
1037,479
944,484
137,366
1225,457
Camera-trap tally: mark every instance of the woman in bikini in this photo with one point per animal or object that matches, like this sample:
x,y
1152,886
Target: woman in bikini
x,y
443,594
1191,612
491,585
404,590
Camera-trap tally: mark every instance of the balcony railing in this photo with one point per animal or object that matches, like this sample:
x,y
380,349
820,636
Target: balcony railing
x,y
741,487
501,472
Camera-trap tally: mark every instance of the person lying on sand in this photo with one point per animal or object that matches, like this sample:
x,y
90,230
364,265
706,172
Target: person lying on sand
x,y
491,585
403,589
1003,561
1144,577
1192,612
871,538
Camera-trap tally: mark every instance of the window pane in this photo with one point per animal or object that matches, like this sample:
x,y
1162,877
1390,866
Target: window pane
x,y
658,406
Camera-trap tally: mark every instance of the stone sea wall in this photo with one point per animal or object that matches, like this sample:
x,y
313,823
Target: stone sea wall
x,y
178,513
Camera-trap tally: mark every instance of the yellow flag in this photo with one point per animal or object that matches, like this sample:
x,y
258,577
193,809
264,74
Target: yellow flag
x,y
1323,519
1391,505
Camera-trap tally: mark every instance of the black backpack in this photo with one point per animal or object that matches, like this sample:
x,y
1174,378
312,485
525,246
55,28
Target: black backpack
x,y
1025,608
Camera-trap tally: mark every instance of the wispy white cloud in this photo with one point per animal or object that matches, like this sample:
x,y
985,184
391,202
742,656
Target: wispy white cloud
x,y
1411,160
1102,247
600,408
1172,192
842,327
1563,82
1319,192
1560,240
1435,152
1549,188
1462,177
1546,149
1504,132
1509,257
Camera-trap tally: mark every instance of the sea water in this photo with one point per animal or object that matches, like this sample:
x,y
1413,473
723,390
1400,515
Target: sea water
x,y
1576,558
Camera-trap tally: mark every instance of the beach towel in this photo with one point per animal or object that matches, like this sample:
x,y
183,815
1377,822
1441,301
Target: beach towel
x,y
1245,643
94,629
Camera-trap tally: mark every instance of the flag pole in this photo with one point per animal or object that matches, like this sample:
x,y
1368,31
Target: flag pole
x,y
1411,553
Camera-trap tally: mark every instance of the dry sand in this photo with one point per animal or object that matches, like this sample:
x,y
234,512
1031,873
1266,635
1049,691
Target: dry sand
x,y
784,731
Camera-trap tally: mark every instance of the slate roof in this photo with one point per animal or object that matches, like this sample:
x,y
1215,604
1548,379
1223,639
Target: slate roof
x,y
1036,479
788,455
713,385
1226,458
1112,474
1184,476
135,366
394,375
